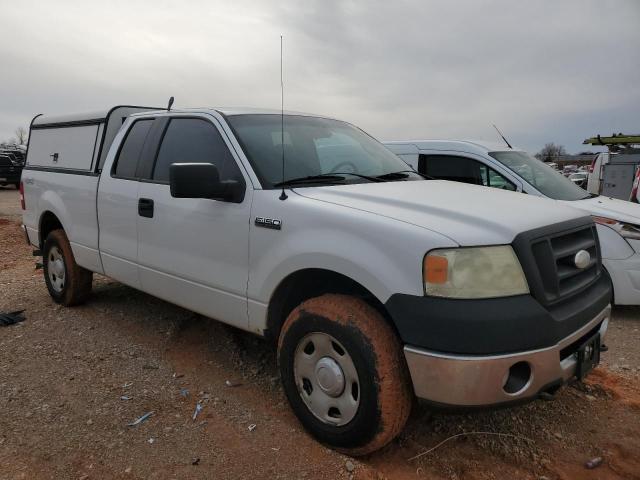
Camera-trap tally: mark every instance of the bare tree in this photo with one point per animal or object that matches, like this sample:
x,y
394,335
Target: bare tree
x,y
21,135
550,152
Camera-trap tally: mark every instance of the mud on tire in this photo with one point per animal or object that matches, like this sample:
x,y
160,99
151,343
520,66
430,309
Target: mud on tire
x,y
68,283
383,393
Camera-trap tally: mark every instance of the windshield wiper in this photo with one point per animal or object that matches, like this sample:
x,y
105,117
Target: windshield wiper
x,y
323,178
402,174
366,177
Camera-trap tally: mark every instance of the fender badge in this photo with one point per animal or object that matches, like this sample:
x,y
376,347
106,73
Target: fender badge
x,y
272,223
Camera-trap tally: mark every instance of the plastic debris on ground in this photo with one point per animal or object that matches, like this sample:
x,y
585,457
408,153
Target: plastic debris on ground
x,y
229,383
252,427
127,385
593,463
198,409
184,392
125,397
140,420
11,318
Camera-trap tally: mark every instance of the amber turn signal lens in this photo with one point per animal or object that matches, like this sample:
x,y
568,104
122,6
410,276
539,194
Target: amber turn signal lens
x,y
604,220
436,269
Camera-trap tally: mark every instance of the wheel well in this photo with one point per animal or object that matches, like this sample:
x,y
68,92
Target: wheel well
x,y
48,223
309,283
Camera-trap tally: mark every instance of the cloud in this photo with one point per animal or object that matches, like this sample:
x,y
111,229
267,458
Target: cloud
x,y
543,71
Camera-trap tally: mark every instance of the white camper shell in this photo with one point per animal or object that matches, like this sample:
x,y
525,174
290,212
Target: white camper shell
x,y
76,142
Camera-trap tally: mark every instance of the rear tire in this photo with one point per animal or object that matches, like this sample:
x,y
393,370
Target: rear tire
x,y
68,283
344,373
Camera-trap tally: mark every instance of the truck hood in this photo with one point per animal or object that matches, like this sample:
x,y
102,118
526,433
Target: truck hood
x,y
620,210
467,214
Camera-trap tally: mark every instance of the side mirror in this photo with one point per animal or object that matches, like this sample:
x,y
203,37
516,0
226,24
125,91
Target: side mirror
x,y
202,180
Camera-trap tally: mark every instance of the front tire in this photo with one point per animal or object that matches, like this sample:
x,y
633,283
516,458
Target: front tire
x,y
344,373
68,283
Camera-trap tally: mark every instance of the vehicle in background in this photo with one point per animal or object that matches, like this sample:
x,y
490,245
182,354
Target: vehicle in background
x,y
612,173
579,178
552,165
594,184
494,165
373,285
11,163
569,169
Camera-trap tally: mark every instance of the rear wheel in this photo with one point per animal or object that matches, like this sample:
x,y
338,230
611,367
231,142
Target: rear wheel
x,y
67,282
344,373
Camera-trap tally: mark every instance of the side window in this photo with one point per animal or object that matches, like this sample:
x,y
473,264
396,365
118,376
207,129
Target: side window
x,y
194,140
454,168
131,149
498,181
462,169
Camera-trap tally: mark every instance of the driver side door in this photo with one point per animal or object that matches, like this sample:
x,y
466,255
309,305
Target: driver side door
x,y
194,252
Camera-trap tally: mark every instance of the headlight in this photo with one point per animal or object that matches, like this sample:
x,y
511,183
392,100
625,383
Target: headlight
x,y
627,230
478,272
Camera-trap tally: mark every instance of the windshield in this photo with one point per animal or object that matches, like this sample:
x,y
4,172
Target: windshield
x,y
313,146
544,178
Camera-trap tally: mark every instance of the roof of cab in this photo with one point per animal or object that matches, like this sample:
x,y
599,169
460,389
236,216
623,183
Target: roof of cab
x,y
230,111
470,146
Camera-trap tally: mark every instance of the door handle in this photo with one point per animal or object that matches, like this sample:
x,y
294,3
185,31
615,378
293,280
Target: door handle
x,y
145,207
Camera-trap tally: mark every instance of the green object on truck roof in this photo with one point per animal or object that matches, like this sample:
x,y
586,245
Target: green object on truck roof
x,y
615,139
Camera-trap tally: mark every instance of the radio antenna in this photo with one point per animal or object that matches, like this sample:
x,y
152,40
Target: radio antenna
x,y
283,195
500,133
170,104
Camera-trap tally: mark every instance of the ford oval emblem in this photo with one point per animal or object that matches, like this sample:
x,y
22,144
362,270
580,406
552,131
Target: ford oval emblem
x,y
582,259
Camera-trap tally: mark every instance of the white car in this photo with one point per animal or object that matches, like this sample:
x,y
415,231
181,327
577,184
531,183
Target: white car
x,y
579,178
495,165
374,284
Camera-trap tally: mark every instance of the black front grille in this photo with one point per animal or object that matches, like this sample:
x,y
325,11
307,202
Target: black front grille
x,y
548,259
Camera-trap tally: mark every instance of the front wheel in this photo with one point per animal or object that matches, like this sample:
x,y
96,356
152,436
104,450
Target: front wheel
x,y
68,283
344,373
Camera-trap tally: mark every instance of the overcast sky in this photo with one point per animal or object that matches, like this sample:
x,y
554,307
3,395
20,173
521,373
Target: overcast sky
x,y
542,71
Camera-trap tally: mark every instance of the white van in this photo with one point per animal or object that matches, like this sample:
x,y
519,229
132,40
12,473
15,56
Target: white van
x,y
594,184
494,165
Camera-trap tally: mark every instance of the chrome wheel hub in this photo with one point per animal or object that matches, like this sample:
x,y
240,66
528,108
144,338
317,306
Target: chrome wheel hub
x,y
329,376
56,269
327,379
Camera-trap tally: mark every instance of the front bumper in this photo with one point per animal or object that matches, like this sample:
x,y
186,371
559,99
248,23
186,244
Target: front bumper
x,y
478,380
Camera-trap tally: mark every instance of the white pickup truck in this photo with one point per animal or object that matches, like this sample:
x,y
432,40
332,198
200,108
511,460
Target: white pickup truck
x,y
376,285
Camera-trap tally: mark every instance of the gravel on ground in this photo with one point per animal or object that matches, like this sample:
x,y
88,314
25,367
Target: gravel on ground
x,y
73,379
